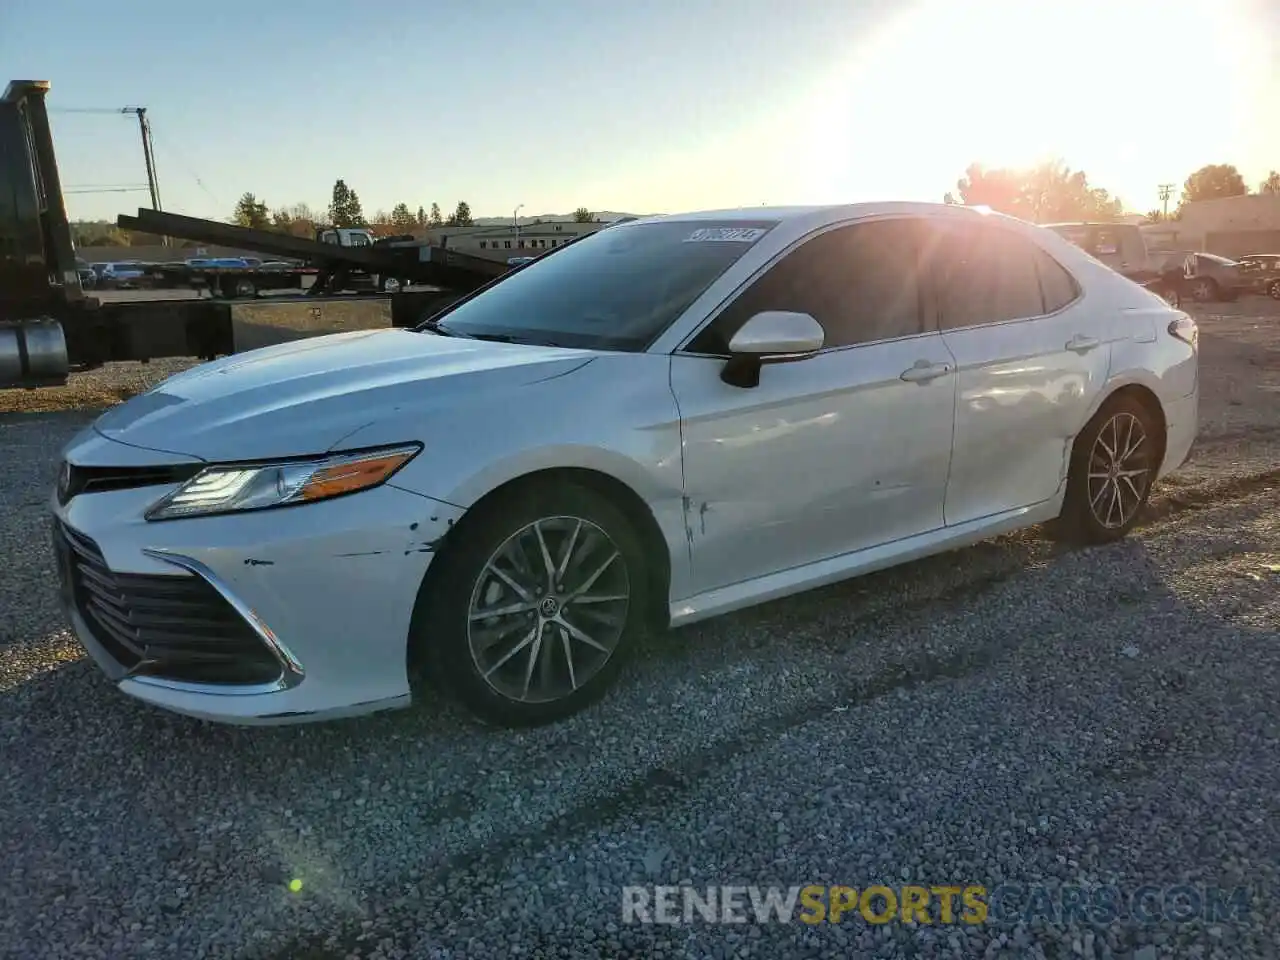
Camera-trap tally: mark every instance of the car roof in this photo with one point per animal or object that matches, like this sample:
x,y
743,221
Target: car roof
x,y
797,220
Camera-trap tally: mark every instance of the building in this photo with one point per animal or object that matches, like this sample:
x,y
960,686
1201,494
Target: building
x,y
1230,226
507,240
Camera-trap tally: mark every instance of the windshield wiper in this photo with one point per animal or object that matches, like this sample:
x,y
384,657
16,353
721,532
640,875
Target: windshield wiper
x,y
435,326
438,328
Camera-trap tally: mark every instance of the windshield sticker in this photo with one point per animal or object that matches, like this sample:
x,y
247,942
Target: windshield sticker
x,y
726,234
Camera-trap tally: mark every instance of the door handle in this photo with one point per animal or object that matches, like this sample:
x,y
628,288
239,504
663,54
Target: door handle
x,y
1079,344
923,371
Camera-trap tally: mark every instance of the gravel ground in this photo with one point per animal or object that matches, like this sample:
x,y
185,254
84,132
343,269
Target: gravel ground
x,y
1011,713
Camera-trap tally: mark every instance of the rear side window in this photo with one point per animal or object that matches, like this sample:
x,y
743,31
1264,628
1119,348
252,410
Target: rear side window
x,y
1057,287
861,282
985,275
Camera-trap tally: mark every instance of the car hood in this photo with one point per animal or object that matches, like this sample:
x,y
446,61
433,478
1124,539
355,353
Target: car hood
x,y
305,396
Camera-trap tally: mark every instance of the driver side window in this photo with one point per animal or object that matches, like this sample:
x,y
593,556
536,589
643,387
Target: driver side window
x,y
860,282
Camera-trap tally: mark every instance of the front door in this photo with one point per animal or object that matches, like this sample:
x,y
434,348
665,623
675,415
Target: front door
x,y
845,450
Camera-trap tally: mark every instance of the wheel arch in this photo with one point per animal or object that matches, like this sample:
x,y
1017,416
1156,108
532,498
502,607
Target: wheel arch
x,y
1145,394
623,495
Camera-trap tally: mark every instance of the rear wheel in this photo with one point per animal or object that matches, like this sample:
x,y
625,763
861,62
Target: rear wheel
x,y
1113,466
534,606
1274,290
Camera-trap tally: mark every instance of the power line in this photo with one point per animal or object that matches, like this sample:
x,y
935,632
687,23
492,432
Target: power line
x,y
174,155
115,110
67,190
144,128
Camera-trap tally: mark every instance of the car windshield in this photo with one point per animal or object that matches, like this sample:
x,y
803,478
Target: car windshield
x,y
1214,258
614,290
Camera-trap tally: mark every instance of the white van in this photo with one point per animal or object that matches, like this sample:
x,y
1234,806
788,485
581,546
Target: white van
x,y
1121,246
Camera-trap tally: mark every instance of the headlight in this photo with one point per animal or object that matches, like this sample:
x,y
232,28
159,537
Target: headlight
x,y
231,488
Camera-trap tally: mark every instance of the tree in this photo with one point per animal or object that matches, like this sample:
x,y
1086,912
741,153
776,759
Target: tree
x,y
401,218
252,212
1153,216
461,216
997,189
582,215
344,208
435,220
1046,193
421,218
1212,182
1270,185
380,224
298,220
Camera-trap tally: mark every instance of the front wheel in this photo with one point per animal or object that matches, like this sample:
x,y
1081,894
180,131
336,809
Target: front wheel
x,y
536,602
1113,466
1204,290
1274,290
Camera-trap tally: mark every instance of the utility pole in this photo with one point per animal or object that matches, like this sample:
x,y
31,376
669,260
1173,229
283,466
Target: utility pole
x,y
148,155
1166,191
148,148
515,217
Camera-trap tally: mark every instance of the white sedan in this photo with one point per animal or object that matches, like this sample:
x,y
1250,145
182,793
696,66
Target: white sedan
x,y
673,418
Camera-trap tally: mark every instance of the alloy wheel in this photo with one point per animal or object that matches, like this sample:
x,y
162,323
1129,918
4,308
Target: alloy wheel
x,y
1203,291
1119,471
548,609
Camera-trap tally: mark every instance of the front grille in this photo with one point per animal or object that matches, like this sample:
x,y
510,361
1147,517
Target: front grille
x,y
78,480
172,627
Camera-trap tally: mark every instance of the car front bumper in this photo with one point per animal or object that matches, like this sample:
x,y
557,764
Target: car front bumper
x,y
323,591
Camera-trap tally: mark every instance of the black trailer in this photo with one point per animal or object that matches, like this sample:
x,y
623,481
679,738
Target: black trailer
x,y
49,326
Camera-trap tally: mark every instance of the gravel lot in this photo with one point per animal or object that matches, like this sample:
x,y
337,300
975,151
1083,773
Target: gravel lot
x,y
1011,713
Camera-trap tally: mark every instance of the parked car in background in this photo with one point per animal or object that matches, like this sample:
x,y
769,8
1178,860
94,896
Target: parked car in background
x,y
664,421
123,275
1209,277
88,277
1262,271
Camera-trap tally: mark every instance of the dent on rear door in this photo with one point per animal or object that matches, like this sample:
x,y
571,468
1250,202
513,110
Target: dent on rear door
x,y
1021,396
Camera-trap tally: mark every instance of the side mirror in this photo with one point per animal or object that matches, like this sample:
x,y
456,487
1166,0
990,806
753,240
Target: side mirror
x,y
774,336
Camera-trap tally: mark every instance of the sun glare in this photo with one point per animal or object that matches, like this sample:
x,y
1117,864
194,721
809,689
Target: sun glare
x,y
1100,85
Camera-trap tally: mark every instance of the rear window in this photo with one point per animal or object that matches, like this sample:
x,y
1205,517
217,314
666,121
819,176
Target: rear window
x,y
616,289
1214,258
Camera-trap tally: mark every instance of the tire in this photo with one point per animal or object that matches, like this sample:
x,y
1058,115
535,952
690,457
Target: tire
x,y
1274,290
1091,514
524,668
1205,290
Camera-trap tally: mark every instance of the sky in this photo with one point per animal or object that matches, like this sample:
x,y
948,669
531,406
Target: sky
x,y
652,107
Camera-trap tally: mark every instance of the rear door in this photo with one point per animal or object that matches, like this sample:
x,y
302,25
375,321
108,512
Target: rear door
x,y
1030,359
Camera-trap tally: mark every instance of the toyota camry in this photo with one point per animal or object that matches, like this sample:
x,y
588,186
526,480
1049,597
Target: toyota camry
x,y
670,419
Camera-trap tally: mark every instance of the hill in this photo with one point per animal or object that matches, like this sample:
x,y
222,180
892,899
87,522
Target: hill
x,y
605,215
